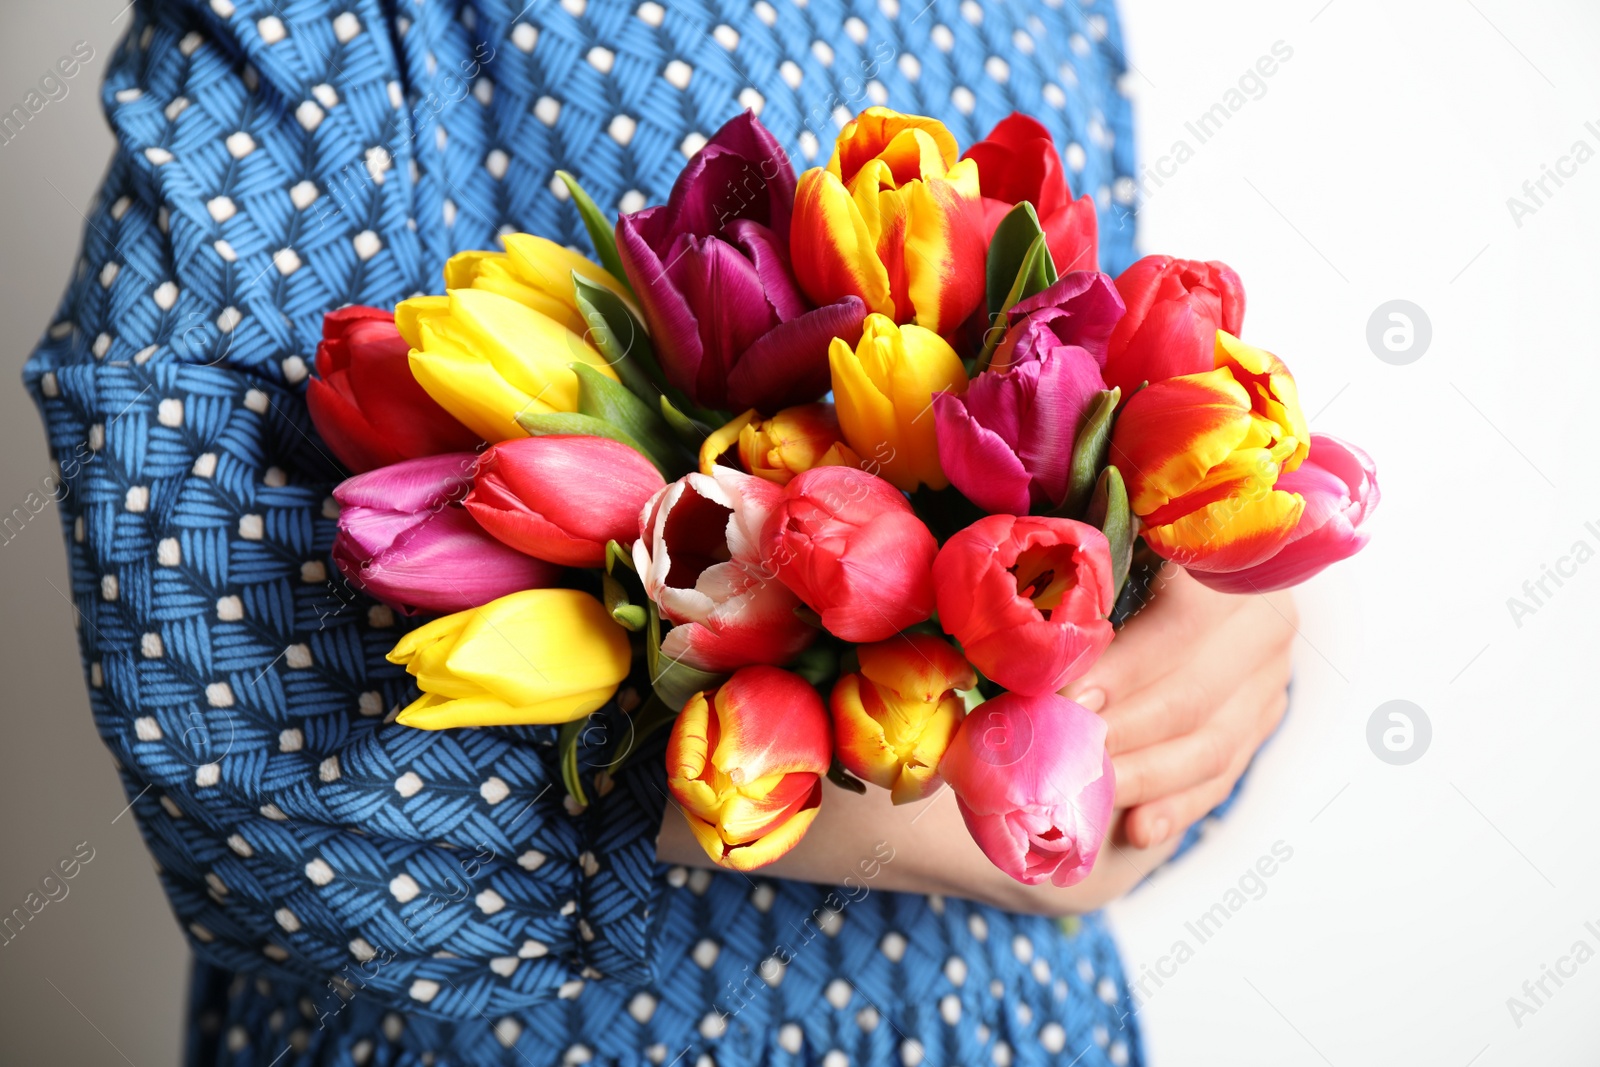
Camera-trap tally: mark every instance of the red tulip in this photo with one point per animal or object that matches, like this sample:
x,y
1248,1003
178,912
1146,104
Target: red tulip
x,y
562,498
745,763
364,401
1175,308
1034,784
699,556
850,546
1027,597
1018,161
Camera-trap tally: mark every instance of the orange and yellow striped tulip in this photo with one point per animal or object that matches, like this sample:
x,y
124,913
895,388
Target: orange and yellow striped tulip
x,y
895,219
1201,454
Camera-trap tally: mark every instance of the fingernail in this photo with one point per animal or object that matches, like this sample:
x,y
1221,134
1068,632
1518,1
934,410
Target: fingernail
x,y
1092,699
1158,832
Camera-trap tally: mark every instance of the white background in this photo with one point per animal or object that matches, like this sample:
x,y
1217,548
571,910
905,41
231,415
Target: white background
x,y
1419,898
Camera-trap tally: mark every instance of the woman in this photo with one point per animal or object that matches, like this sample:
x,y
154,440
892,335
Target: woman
x,y
357,892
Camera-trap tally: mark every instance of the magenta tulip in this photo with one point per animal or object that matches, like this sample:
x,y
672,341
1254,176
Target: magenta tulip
x,y
850,546
562,498
1027,598
405,539
1339,483
1007,444
1034,784
699,556
711,269
1079,310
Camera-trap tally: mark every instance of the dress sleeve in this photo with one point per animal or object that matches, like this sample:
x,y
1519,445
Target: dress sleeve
x,y
240,685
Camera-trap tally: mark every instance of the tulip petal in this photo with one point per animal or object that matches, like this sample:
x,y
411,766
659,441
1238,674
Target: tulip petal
x,y
1170,435
978,461
836,254
788,365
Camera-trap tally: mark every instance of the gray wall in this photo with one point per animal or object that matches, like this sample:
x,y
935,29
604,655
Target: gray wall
x,y
99,976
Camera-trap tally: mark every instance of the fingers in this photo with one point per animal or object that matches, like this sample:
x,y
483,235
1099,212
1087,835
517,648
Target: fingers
x,y
1151,823
1182,762
1255,641
1158,640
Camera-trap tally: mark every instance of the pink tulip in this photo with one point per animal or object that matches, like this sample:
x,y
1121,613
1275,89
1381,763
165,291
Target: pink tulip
x,y
562,498
1034,784
1340,485
405,539
699,555
1027,598
850,546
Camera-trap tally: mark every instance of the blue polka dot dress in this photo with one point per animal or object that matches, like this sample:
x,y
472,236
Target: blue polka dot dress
x,y
357,892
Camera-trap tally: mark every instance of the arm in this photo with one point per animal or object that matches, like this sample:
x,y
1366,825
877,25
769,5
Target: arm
x,y
1190,689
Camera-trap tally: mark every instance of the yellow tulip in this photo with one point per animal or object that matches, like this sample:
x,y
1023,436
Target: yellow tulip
x,y
535,657
790,443
536,272
883,392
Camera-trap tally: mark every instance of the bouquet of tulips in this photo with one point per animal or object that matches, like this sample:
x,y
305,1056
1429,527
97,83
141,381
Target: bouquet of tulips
x,y
863,468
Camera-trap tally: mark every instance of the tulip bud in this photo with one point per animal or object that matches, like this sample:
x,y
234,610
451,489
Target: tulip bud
x,y
536,272
364,402
405,539
745,762
882,389
791,442
894,718
540,656
893,220
1202,454
1027,598
1339,484
850,546
699,556
562,498
1018,161
1175,308
1034,784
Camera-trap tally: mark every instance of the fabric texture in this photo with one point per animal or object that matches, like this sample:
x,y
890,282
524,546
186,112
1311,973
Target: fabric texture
x,y
280,158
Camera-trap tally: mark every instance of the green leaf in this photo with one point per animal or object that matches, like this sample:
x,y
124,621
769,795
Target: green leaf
x,y
690,431
617,552
648,721
1089,454
601,232
620,337
1008,249
567,744
1108,510
673,682
603,398
818,664
1036,273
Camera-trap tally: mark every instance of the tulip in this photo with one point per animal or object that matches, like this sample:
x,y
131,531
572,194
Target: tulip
x,y
487,358
847,543
562,498
883,387
1339,484
536,272
895,220
794,440
1018,162
894,718
1202,453
405,539
364,402
536,657
699,556
1027,598
745,763
1175,308
1007,444
711,267
1034,784
1079,310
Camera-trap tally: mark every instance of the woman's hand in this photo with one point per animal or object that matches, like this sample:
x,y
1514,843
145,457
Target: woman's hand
x,y
1189,690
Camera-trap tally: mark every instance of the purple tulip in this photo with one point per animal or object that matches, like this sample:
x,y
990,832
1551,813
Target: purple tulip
x,y
711,270
405,539
1340,485
1080,310
1007,444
